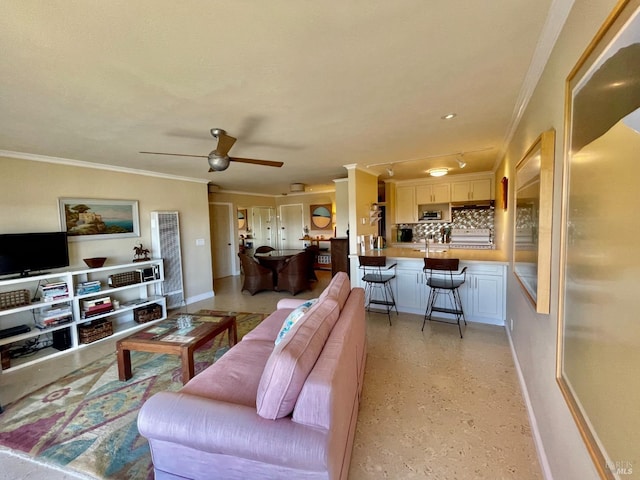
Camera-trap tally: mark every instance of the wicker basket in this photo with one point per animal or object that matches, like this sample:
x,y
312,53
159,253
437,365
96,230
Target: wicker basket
x,y
147,313
14,298
92,331
124,278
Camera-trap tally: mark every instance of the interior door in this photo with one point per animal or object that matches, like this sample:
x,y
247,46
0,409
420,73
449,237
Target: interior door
x,y
222,244
291,226
263,226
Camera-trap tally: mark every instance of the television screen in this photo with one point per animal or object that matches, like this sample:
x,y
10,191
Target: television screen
x,y
25,253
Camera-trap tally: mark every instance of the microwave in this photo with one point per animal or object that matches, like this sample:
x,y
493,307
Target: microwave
x,y
431,215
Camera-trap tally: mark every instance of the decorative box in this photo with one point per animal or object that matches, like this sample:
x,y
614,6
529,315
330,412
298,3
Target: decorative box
x,y
147,313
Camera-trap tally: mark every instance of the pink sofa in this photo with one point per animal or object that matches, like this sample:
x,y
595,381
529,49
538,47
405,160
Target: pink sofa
x,y
263,411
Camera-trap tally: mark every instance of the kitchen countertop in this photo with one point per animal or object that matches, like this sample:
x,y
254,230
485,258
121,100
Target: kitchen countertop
x,y
442,251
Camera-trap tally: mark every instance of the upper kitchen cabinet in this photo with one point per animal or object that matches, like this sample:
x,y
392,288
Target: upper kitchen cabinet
x,y
406,205
471,190
438,193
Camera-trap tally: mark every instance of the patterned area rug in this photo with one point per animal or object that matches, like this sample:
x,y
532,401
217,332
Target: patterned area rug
x,y
86,421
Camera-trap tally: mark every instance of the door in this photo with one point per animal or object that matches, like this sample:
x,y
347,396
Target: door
x,y
291,226
263,226
222,245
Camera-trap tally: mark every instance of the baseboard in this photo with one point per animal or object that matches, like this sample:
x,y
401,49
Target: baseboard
x,y
537,439
199,298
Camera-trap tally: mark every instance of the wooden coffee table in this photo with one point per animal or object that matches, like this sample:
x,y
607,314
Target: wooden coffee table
x,y
166,337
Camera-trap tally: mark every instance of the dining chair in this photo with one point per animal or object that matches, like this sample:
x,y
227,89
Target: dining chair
x,y
256,277
313,251
444,280
377,276
264,249
293,276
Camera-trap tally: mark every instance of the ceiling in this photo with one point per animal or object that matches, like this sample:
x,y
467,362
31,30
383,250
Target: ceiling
x,y
316,85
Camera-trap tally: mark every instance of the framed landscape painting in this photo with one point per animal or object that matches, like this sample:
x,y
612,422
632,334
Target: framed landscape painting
x,y
93,219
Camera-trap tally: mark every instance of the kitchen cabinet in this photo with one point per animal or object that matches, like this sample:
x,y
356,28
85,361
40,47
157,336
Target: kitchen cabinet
x,y
409,287
62,315
406,206
471,190
437,193
483,294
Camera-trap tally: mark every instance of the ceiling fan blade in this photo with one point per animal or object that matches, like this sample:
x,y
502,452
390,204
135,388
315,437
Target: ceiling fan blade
x,y
266,163
176,154
225,142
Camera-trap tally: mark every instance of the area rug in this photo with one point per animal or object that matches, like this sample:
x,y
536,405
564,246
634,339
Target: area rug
x,y
86,421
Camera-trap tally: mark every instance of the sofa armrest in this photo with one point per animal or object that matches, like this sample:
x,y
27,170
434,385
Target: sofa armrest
x,y
229,429
290,303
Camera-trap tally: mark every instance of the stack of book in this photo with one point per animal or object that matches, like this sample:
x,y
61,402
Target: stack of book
x,y
51,317
96,306
88,287
54,291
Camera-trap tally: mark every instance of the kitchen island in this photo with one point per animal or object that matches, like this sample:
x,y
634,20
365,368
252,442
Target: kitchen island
x,y
483,294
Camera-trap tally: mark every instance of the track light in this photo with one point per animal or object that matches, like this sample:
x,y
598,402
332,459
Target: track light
x,y
390,171
461,163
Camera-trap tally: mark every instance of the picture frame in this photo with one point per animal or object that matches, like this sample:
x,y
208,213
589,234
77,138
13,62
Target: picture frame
x,y
321,216
242,219
98,219
533,219
598,344
504,183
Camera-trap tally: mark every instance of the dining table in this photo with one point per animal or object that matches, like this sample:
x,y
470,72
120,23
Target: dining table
x,y
275,259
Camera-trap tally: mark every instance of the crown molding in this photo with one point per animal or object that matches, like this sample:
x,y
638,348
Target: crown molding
x,y
96,166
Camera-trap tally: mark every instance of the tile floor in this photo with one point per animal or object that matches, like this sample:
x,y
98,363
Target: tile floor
x,y
434,405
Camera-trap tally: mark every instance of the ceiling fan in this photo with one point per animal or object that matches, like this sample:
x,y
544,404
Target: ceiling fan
x,y
219,159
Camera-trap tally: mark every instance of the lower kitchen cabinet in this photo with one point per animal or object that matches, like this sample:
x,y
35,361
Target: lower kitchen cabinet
x,y
483,294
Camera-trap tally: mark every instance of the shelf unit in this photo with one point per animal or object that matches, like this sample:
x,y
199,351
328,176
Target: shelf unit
x,y
66,336
323,262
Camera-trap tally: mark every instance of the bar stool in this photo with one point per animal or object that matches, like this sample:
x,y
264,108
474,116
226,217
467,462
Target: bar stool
x,y
444,279
377,276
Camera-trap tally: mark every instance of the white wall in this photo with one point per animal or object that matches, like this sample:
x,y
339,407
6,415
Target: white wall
x,y
534,335
29,192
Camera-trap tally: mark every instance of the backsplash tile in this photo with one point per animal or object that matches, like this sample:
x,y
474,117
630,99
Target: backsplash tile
x,y
460,218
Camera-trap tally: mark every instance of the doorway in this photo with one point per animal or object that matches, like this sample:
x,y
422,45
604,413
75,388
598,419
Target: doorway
x,y
291,226
222,239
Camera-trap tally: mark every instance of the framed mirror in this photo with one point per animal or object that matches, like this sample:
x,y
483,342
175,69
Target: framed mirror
x,y
534,212
598,328
242,219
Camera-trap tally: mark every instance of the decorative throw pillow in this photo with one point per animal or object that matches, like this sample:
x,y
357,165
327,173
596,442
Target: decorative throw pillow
x,y
293,317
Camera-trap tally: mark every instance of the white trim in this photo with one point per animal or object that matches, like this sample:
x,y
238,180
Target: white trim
x,y
537,439
556,18
96,166
201,297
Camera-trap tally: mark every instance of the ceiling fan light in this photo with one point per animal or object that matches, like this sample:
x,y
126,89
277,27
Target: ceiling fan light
x,y
438,172
218,163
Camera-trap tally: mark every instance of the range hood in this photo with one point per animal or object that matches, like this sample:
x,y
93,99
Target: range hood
x,y
473,205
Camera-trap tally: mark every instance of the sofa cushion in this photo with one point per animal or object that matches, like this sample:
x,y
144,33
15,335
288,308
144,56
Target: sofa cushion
x,y
293,358
268,328
235,377
339,288
293,318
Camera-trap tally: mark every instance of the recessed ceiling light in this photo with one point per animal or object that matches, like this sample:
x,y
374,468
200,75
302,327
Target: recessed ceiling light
x,y
438,172
449,116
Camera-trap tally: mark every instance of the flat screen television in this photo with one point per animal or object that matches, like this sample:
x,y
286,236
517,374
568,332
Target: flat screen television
x,y
27,253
